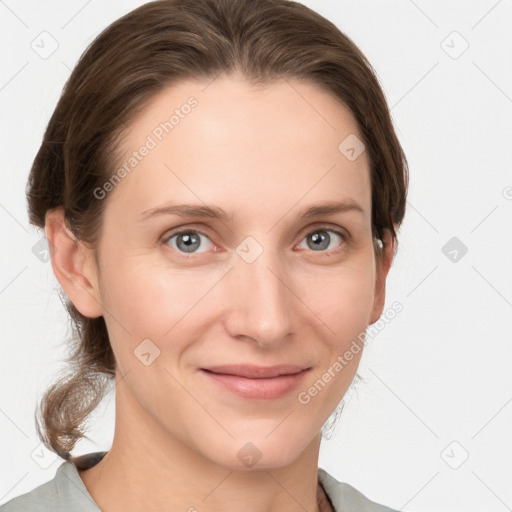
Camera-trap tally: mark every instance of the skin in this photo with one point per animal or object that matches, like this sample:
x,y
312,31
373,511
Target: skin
x,y
263,154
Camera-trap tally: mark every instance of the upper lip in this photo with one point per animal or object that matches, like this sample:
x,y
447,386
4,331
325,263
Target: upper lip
x,y
257,372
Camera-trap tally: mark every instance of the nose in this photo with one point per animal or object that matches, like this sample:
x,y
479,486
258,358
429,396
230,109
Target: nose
x,y
261,300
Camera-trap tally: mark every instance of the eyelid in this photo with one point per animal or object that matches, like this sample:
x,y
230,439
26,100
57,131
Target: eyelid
x,y
187,228
327,227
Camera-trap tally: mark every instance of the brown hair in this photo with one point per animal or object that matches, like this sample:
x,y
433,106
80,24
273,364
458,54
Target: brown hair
x,y
129,63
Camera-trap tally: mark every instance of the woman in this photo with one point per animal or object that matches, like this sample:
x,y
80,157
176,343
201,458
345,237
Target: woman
x,y
220,185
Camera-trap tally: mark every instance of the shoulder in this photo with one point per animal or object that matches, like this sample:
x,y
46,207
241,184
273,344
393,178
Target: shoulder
x,y
64,492
346,498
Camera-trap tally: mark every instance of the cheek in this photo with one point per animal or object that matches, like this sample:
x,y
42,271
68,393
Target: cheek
x,y
342,302
342,298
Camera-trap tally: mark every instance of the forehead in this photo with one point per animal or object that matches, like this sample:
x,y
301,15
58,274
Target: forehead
x,y
229,140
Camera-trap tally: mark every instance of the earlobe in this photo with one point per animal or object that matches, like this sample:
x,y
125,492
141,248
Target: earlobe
x,y
73,265
382,269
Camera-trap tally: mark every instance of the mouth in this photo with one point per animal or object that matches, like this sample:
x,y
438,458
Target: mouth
x,y
257,383
257,372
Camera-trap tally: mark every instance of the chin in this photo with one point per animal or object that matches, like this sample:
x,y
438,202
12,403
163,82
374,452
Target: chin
x,y
260,451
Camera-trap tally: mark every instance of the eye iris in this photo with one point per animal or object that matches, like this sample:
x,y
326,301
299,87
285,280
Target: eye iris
x,y
320,240
191,242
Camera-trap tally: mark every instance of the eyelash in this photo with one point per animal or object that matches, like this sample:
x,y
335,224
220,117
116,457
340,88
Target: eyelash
x,y
327,228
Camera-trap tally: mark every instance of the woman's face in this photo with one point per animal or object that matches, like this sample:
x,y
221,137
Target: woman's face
x,y
260,283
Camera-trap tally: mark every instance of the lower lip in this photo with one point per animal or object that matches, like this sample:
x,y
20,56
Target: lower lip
x,y
258,389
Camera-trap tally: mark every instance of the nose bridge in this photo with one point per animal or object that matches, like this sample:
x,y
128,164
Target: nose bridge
x,y
262,303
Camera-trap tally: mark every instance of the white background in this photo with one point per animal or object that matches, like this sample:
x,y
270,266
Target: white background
x,y
440,371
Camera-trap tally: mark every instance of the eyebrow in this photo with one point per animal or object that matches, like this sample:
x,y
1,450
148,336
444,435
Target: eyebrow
x,y
215,212
333,207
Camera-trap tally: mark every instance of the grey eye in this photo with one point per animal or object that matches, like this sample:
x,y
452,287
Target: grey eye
x,y
187,241
320,239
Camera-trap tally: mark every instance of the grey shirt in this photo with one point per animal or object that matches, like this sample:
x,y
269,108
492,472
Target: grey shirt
x,y
66,492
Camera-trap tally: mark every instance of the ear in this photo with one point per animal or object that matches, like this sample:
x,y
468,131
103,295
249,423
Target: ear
x,y
73,265
383,265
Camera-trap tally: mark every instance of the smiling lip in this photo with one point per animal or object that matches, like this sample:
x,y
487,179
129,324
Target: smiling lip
x,y
256,372
256,382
